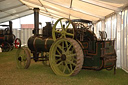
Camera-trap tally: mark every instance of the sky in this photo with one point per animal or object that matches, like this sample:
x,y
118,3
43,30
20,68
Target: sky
x,y
29,20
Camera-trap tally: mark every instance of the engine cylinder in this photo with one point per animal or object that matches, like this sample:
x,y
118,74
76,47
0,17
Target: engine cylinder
x,y
39,44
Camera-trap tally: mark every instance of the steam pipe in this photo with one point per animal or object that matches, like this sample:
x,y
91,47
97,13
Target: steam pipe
x,y
36,21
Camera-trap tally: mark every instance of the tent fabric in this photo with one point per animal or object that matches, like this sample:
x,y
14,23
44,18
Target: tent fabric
x,y
93,10
12,9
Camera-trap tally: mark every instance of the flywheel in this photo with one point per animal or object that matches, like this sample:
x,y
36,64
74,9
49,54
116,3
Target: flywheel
x,y
63,28
66,57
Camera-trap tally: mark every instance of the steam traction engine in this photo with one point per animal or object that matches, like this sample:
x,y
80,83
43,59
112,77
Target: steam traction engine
x,y
68,47
8,39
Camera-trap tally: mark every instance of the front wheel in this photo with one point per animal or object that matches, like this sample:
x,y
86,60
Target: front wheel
x,y
23,58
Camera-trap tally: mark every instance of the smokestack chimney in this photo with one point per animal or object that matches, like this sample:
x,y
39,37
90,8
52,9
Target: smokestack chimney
x,y
36,21
10,25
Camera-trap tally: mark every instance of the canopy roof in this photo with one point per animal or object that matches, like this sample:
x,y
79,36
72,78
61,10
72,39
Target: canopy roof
x,y
92,10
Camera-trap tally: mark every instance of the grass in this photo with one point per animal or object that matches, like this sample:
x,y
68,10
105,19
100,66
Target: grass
x,y
38,74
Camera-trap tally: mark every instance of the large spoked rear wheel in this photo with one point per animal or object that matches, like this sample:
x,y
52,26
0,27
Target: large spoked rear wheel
x,y
63,28
23,58
66,57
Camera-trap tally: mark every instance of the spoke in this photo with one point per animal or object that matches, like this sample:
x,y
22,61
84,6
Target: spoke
x,y
59,63
61,25
57,55
61,36
16,46
69,48
21,59
64,69
20,63
70,34
24,63
17,43
66,44
67,26
58,59
24,58
70,67
74,59
61,48
71,62
57,31
58,52
71,55
67,67
72,50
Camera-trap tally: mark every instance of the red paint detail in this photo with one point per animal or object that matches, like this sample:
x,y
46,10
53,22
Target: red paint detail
x,y
17,43
2,44
1,37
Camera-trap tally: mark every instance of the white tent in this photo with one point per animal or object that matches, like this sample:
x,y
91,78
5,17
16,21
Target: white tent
x,y
93,10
